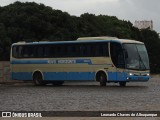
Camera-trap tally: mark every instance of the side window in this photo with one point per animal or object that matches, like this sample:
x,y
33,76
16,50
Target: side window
x,y
52,51
25,51
20,51
117,55
88,50
30,51
104,48
56,52
93,50
83,50
77,50
69,51
40,51
33,51
59,51
62,51
74,50
47,51
15,51
101,50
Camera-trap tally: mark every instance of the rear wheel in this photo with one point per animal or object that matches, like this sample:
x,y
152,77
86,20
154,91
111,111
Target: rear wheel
x,y
38,80
102,79
122,84
57,83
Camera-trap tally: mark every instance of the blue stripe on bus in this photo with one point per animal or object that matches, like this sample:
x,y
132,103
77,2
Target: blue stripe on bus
x,y
139,78
112,76
60,61
69,76
55,75
117,76
21,75
29,61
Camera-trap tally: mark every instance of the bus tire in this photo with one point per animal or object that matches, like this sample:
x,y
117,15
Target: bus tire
x,y
122,84
38,80
102,79
57,83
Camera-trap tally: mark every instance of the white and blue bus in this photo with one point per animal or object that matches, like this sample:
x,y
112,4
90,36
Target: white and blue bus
x,y
100,59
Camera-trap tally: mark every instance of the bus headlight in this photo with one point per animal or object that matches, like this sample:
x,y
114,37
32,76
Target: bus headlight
x,y
130,74
148,74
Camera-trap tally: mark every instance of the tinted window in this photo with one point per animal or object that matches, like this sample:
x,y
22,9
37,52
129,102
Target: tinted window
x,y
101,50
47,51
60,51
117,55
15,51
40,51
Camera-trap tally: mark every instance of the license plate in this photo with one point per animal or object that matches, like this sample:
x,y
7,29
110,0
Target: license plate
x,y
140,78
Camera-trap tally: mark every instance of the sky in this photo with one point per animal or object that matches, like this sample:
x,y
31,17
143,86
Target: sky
x,y
123,9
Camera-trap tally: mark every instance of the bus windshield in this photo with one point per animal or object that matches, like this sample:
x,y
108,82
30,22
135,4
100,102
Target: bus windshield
x,y
136,57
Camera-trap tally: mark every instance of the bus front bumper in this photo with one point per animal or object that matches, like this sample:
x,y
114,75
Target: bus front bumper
x,y
138,78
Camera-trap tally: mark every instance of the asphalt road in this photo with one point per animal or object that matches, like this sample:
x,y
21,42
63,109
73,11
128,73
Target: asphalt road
x,y
81,96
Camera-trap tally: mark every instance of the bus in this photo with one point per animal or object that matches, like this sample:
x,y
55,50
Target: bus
x,y
101,59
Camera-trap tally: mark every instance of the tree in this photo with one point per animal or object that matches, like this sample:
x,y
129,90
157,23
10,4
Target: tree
x,y
30,21
152,42
5,43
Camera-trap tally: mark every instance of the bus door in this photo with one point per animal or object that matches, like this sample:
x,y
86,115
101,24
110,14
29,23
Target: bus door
x,y
117,57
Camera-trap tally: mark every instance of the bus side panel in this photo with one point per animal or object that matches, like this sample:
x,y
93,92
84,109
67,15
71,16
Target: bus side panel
x,y
112,76
20,72
69,75
55,75
21,75
78,76
121,76
81,69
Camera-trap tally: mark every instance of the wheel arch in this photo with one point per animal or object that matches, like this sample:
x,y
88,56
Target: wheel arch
x,y
101,71
37,71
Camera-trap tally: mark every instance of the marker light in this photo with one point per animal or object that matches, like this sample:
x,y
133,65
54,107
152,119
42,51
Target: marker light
x,y
130,74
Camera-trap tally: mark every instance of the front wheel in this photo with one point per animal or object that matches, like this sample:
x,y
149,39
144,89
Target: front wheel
x,y
122,84
102,79
38,80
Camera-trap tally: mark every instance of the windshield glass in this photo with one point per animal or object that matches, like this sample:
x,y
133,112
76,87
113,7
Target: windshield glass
x,y
136,56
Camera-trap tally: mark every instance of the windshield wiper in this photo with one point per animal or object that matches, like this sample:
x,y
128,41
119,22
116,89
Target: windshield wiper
x,y
140,60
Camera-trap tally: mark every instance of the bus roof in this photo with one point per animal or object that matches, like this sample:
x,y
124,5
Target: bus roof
x,y
106,38
84,39
97,38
